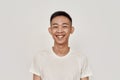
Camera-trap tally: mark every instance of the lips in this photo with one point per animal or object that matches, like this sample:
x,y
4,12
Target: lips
x,y
60,36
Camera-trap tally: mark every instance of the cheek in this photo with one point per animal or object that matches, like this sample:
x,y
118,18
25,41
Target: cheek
x,y
67,31
53,31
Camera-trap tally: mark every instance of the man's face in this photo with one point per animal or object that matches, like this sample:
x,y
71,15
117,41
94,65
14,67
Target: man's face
x,y
61,29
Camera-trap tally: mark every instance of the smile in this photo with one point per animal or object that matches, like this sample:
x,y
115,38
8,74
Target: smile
x,y
60,36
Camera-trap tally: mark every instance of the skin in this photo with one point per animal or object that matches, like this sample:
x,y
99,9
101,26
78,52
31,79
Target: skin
x,y
60,30
36,77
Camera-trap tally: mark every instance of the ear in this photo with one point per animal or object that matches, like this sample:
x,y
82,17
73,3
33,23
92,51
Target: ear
x,y
49,29
72,29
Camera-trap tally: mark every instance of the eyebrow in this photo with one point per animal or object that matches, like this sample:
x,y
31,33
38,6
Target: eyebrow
x,y
54,24
65,24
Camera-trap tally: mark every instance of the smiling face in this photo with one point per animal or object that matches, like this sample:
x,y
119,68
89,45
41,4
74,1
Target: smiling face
x,y
60,29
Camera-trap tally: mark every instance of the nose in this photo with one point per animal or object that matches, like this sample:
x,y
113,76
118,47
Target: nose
x,y
60,29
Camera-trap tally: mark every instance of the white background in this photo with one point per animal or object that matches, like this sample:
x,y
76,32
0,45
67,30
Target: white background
x,y
23,31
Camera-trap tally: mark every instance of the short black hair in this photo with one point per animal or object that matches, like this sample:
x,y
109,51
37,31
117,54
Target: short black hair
x,y
60,13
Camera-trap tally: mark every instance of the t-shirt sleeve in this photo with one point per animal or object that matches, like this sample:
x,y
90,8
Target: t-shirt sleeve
x,y
85,71
35,66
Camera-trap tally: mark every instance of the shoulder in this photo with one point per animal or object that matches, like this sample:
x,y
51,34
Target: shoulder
x,y
81,57
78,54
42,54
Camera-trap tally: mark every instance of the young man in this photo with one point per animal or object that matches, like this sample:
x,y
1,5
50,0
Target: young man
x,y
60,62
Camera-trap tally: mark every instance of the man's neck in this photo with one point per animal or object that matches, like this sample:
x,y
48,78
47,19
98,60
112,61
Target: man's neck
x,y
61,50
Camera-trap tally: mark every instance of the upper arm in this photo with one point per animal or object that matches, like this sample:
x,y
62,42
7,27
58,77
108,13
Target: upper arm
x,y
85,70
85,78
36,77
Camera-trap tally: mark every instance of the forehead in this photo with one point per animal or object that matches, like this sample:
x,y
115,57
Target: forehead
x,y
60,20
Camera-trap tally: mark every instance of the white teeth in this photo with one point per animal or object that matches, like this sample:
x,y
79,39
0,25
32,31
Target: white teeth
x,y
60,37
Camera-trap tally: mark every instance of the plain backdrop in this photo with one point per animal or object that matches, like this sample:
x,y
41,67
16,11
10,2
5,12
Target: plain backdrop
x,y
24,30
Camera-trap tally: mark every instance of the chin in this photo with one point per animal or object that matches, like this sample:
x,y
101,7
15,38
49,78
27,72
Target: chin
x,y
60,42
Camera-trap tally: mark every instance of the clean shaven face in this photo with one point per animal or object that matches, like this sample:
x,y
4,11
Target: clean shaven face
x,y
60,29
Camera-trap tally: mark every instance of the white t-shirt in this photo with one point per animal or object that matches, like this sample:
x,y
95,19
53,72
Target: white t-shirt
x,y
50,66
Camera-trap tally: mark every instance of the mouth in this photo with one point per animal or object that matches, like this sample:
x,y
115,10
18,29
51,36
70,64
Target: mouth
x,y
60,37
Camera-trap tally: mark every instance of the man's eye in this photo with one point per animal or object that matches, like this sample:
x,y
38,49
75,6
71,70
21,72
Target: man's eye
x,y
64,26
